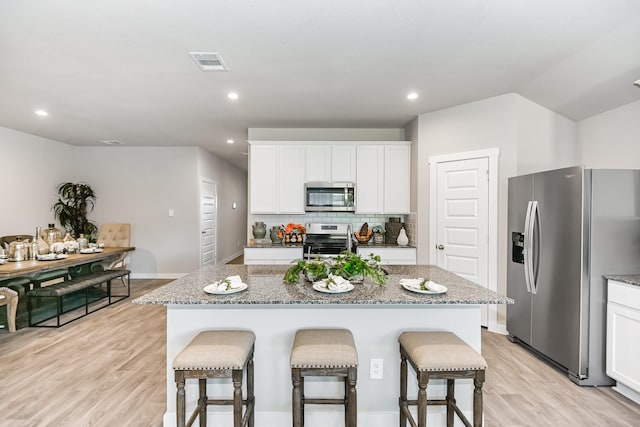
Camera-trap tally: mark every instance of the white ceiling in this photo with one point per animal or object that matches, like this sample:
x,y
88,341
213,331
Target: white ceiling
x,y
120,70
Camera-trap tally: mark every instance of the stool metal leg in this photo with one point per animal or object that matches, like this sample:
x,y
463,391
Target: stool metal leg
x,y
237,397
352,402
403,390
451,396
477,398
180,408
202,401
296,398
250,393
423,379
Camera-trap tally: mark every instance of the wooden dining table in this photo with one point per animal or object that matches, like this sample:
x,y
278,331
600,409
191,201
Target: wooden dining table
x,y
32,267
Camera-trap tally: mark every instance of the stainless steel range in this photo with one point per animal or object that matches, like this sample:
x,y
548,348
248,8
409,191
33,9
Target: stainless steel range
x,y
327,240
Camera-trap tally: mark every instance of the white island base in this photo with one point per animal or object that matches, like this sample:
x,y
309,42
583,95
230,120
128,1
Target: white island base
x,y
375,329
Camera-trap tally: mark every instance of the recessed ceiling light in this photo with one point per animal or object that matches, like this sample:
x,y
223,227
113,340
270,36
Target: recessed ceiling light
x,y
412,96
42,113
230,141
112,142
232,95
636,83
244,153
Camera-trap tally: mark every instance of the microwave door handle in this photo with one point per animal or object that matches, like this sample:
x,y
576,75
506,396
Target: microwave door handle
x,y
527,248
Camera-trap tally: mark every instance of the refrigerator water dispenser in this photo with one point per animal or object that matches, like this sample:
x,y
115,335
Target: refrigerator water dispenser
x,y
517,247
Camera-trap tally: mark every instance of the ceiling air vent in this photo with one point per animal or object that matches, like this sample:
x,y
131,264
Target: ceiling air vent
x,y
112,142
209,61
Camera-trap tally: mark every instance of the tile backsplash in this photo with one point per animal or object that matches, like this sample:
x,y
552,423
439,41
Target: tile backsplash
x,y
330,217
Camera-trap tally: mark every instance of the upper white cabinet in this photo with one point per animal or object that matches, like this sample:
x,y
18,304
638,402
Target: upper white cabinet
x,y
343,163
263,181
383,179
369,178
276,178
330,162
397,163
318,160
279,170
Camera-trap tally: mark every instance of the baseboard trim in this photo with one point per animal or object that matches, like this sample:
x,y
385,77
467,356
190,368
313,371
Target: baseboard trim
x,y
234,256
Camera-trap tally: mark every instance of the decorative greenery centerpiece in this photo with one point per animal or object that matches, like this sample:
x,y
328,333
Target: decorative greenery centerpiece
x,y
347,265
75,201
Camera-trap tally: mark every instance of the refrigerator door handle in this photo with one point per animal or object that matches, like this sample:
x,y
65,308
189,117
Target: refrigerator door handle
x,y
527,250
535,228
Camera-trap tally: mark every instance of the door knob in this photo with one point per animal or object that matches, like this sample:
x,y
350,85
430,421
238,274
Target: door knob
x,y
440,247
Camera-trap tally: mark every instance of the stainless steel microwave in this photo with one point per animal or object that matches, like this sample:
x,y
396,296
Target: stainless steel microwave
x,y
330,197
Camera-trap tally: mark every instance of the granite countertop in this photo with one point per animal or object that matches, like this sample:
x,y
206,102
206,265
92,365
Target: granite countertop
x,y
632,279
267,288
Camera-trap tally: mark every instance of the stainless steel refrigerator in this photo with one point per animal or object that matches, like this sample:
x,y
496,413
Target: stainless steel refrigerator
x,y
567,228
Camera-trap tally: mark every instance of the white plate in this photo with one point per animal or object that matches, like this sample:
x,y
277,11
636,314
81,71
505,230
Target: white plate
x,y
87,251
434,288
213,289
320,286
51,257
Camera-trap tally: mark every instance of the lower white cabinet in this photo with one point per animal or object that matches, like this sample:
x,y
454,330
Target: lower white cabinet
x,y
391,256
623,338
271,255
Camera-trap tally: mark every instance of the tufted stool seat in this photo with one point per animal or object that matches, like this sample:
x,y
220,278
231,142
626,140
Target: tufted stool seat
x,y
324,353
439,355
217,354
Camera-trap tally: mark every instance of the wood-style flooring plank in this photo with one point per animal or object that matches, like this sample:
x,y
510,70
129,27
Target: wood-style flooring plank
x,y
108,369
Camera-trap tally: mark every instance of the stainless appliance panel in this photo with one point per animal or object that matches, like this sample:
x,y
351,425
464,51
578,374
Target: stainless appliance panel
x,y
519,313
558,267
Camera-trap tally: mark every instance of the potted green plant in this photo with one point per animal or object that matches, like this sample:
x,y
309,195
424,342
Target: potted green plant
x,y
75,201
348,265
378,234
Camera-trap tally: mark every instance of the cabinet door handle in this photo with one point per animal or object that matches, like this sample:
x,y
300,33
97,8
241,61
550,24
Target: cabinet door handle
x,y
440,247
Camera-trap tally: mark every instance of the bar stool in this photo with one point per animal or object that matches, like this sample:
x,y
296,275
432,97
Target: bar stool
x,y
217,354
439,355
324,353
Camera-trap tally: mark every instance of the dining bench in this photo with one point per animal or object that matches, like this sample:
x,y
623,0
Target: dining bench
x,y
77,285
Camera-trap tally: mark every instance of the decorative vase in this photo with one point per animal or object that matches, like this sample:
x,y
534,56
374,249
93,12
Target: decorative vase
x,y
378,238
403,239
259,230
52,235
83,243
274,235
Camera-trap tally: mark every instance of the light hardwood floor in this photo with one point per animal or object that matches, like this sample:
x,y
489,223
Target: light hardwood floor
x,y
108,369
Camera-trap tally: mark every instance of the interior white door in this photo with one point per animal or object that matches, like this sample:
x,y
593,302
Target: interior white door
x,y
208,220
463,219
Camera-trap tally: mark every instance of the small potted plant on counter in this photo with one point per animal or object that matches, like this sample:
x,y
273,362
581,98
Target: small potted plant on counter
x,y
347,265
378,234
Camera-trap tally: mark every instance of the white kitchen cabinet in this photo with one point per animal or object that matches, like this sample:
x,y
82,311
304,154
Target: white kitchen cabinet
x,y
318,161
276,178
623,338
390,255
369,179
291,167
327,162
343,163
263,181
271,256
397,163
383,178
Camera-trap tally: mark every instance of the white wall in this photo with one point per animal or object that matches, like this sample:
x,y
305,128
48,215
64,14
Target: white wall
x,y
32,168
136,185
530,138
611,139
231,188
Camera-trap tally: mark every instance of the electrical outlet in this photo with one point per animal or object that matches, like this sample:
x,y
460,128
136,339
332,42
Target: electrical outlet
x,y
376,369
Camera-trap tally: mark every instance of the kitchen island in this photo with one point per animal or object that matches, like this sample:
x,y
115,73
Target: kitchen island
x,y
274,311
